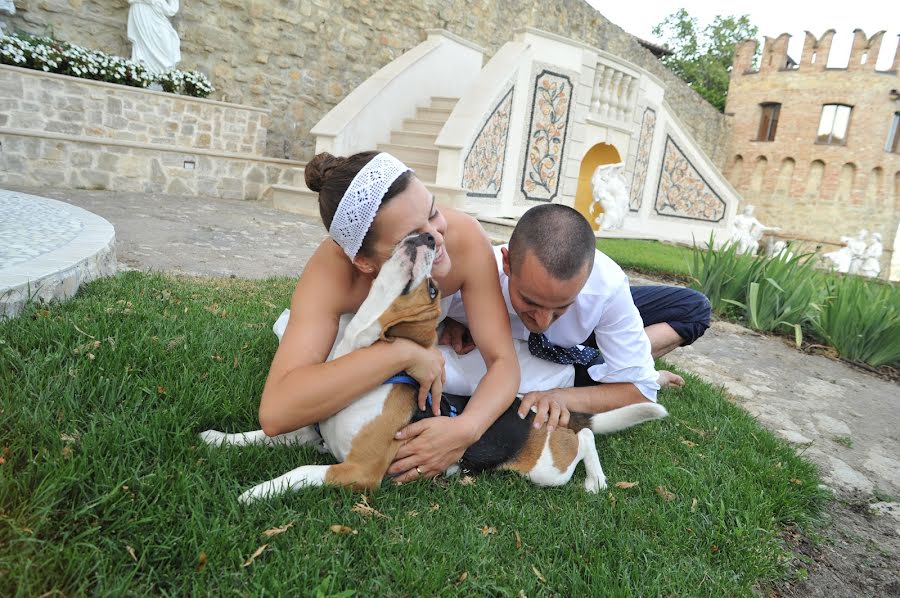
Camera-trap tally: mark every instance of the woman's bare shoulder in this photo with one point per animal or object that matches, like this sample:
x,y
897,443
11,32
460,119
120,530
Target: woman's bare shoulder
x,y
465,236
327,281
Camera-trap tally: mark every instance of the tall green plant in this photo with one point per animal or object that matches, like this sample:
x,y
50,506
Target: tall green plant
x,y
785,293
722,275
861,319
768,293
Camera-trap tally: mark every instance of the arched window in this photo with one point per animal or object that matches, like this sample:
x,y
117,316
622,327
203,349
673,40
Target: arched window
x,y
833,124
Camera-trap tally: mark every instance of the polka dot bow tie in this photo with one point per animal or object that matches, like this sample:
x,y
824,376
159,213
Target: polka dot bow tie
x,y
541,347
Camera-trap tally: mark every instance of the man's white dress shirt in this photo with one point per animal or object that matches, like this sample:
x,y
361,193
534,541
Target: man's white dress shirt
x,y
604,306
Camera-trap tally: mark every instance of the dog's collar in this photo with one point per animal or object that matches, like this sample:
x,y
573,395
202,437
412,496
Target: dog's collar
x,y
404,378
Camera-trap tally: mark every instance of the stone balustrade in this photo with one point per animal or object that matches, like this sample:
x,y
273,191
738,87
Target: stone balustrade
x,y
614,92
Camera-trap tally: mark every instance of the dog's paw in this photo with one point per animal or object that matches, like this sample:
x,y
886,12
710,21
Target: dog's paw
x,y
213,437
594,485
254,494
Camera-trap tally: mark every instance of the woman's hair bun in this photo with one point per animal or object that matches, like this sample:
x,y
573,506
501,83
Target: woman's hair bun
x,y
319,169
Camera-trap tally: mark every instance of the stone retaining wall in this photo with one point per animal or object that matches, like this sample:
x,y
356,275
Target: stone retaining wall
x,y
34,159
300,58
41,101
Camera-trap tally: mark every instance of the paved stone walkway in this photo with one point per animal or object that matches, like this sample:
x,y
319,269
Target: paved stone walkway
x,y
844,419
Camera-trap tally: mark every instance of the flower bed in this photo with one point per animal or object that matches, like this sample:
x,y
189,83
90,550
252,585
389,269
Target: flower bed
x,y
53,56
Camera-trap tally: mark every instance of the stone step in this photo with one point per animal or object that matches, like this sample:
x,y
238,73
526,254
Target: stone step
x,y
498,229
297,200
413,138
410,154
433,114
443,103
427,173
300,200
418,125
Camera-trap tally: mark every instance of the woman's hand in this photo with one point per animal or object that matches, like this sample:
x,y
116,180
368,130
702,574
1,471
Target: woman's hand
x,y
431,446
549,407
426,366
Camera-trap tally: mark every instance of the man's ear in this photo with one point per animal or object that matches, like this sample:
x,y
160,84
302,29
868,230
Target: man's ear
x,y
505,253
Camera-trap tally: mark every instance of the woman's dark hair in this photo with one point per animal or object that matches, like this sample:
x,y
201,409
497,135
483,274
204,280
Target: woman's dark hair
x,y
330,176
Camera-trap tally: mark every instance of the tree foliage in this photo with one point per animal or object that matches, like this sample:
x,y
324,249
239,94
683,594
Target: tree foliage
x,y
703,57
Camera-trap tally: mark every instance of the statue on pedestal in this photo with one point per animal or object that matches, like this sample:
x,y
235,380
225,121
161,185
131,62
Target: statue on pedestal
x,y
610,191
748,231
155,43
871,266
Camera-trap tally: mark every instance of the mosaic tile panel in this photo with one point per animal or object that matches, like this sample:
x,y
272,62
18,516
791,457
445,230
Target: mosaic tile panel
x,y
547,135
683,192
483,168
645,143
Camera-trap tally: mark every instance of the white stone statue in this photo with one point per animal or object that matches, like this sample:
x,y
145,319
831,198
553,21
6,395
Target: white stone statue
x,y
7,7
871,266
610,191
748,231
840,259
857,246
780,250
155,42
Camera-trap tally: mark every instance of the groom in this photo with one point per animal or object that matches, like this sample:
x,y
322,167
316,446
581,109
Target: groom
x,y
574,306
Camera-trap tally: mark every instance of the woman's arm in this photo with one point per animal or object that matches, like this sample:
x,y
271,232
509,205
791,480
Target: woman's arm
x,y
488,319
302,388
436,443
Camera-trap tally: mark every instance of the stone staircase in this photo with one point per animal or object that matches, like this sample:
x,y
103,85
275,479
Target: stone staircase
x,y
413,143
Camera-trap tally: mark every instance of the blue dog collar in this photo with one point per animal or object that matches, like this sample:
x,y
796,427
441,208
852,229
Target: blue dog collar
x,y
404,378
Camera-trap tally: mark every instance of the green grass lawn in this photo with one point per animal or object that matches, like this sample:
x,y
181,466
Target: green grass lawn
x,y
105,488
651,257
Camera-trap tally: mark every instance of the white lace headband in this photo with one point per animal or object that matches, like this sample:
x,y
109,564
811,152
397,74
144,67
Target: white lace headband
x,y
361,201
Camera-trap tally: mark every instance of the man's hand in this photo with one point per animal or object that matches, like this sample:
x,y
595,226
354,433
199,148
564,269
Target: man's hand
x,y
549,407
457,336
431,446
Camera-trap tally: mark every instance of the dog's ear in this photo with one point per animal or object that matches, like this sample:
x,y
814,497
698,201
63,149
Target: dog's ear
x,y
413,316
418,323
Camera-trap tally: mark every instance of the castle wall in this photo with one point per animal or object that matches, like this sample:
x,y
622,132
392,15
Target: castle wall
x,y
816,192
299,58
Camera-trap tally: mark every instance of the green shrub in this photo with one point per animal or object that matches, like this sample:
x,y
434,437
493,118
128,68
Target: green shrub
x,y
723,276
861,319
768,293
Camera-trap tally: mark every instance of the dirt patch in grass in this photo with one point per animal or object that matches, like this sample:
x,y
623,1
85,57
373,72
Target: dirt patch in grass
x,y
857,554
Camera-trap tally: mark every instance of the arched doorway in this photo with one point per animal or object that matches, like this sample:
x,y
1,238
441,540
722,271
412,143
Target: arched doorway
x,y
602,153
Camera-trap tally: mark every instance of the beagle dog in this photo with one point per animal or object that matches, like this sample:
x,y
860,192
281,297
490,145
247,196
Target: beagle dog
x,y
405,303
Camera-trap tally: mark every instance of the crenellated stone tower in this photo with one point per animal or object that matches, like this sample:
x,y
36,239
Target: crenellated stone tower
x,y
817,149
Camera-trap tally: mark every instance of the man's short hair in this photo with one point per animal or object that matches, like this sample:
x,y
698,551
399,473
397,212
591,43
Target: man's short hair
x,y
560,237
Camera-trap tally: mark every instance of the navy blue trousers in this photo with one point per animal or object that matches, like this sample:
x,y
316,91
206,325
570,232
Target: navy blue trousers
x,y
687,311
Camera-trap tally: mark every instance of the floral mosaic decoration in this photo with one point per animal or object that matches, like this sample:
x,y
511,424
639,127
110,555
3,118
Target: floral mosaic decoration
x,y
547,135
648,125
483,169
682,192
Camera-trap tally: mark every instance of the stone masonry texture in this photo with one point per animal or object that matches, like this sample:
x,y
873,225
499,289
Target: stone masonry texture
x,y
816,192
299,58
